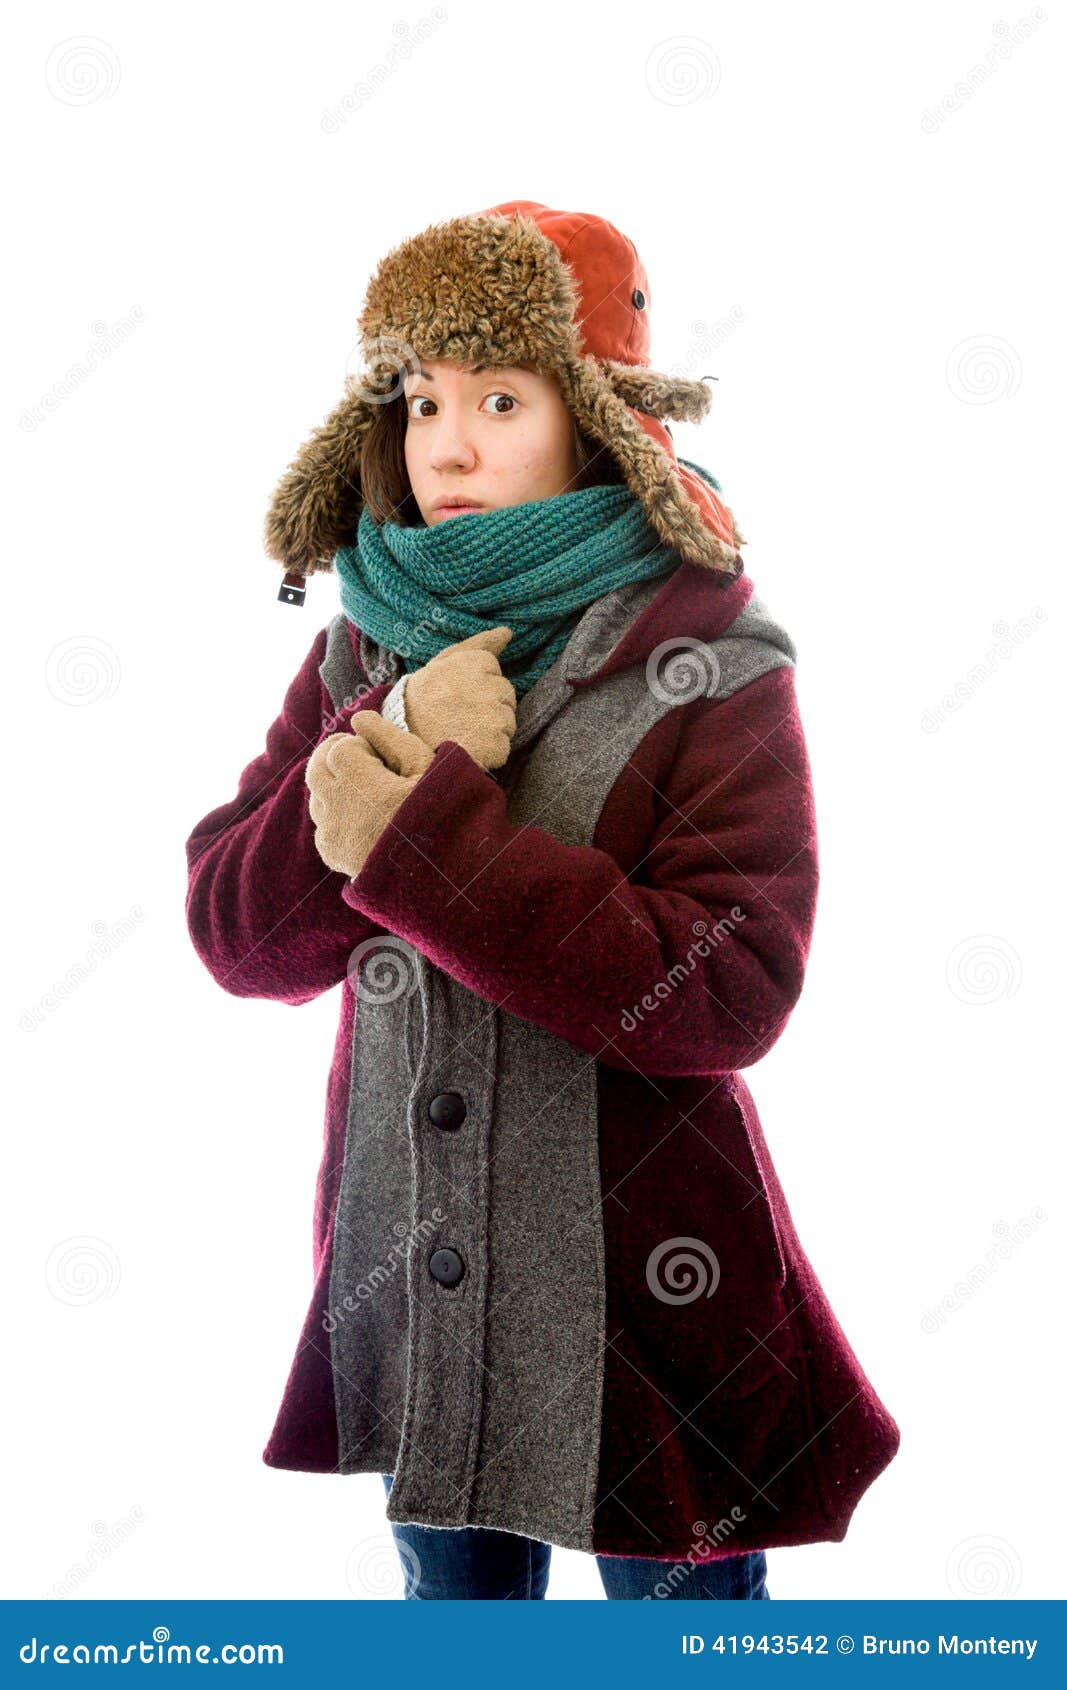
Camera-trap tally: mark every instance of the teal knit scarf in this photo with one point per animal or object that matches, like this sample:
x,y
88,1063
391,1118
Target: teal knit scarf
x,y
535,567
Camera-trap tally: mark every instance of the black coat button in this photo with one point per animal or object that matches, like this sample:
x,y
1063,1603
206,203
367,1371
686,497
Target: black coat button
x,y
446,1266
448,1111
638,298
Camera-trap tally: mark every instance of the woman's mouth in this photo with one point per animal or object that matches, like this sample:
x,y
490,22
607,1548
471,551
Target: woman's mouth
x,y
456,509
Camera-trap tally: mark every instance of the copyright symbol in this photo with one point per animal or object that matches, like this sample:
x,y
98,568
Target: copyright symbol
x,y
845,1644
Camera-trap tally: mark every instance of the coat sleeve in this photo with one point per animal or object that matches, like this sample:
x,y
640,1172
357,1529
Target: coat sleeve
x,y
692,963
264,912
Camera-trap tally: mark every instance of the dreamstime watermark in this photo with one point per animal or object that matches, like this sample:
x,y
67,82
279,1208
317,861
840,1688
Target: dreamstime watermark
x,y
109,935
1006,38
376,372
339,720
983,1566
82,70
708,337
682,69
1008,1239
681,669
982,369
682,971
376,1566
107,338
106,1539
983,968
688,1262
158,1650
82,669
407,38
405,635
698,1552
390,971
382,1272
1008,636
82,1270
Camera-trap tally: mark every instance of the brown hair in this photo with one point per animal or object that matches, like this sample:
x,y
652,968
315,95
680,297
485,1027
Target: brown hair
x,y
383,475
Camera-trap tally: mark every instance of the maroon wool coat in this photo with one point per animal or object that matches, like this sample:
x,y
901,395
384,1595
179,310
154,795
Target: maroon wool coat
x,y
557,1286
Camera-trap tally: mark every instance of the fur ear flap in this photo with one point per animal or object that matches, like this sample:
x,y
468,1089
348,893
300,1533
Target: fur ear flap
x,y
316,505
659,394
651,474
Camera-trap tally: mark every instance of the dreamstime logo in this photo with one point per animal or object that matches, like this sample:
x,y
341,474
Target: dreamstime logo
x,y
82,1270
106,1539
984,1566
681,669
682,971
389,361
708,338
82,669
1008,1239
983,969
81,70
382,1272
982,369
390,972
405,635
406,40
337,721
1008,638
682,69
107,337
161,1649
376,1566
108,935
682,1260
1007,38
698,1552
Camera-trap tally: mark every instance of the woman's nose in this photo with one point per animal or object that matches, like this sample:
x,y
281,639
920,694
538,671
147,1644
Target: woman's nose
x,y
451,448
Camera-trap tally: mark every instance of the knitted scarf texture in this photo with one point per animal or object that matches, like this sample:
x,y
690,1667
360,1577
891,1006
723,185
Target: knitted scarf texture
x,y
535,567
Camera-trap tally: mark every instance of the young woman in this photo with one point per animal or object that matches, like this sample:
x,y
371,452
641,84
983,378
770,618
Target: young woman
x,y
539,800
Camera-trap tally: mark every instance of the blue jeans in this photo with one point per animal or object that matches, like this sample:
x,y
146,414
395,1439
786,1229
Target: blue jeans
x,y
481,1563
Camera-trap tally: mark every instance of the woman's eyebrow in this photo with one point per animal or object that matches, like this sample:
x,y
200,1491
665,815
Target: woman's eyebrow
x,y
475,369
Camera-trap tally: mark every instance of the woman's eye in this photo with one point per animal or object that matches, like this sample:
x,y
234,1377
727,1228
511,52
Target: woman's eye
x,y
506,396
419,399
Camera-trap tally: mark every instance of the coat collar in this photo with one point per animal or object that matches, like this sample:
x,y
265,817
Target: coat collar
x,y
687,608
689,605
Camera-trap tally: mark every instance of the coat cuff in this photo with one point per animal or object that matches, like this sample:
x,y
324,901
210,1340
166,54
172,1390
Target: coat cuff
x,y
421,856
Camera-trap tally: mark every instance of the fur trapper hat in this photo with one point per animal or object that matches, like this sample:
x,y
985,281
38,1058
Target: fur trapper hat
x,y
520,283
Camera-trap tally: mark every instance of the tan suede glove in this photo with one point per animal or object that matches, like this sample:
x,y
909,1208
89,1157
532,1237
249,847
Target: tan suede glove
x,y
358,781
461,694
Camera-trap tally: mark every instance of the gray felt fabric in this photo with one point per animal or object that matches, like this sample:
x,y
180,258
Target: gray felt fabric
x,y
484,1397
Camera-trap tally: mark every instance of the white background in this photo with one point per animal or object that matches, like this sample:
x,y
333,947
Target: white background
x,y
196,200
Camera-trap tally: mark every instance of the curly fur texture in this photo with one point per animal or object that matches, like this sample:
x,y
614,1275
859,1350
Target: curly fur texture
x,y
649,473
494,290
658,394
316,505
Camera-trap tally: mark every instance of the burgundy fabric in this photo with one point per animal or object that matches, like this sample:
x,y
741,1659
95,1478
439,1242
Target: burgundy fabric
x,y
262,907
266,919
712,814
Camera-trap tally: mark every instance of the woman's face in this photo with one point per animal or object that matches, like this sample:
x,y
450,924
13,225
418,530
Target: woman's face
x,y
489,436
